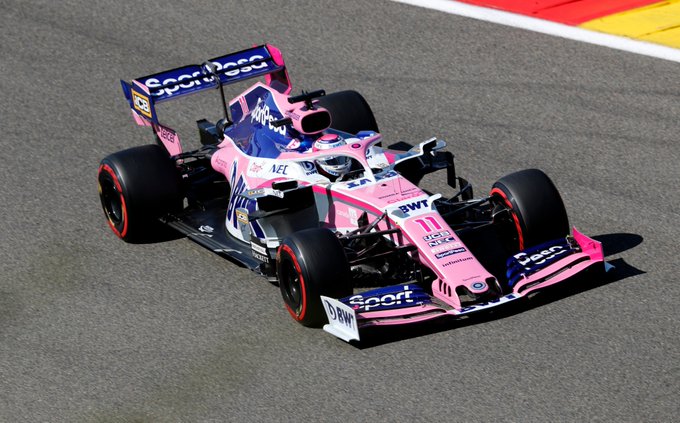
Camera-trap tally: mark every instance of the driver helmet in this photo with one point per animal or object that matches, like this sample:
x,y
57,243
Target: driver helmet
x,y
335,166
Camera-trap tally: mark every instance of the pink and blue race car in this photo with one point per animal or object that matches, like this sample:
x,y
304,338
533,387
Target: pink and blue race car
x,y
300,189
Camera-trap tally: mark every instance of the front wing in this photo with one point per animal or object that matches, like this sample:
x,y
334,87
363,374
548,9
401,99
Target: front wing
x,y
528,271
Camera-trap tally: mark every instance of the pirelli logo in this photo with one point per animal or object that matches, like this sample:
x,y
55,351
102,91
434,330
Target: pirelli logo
x,y
141,104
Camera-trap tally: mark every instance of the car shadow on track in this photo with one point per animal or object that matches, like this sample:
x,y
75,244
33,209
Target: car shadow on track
x,y
612,244
158,233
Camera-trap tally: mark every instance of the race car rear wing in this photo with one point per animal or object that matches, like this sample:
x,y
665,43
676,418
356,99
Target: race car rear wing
x,y
143,93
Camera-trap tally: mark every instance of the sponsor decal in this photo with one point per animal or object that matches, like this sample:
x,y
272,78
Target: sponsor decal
x,y
471,278
436,235
350,214
263,115
440,241
259,251
206,229
220,163
156,83
166,134
488,304
450,252
260,257
338,315
363,181
401,198
535,258
359,302
280,169
478,286
539,257
452,262
294,144
358,183
309,168
256,167
258,248
244,69
429,224
254,192
141,104
242,217
353,216
390,174
445,247
416,205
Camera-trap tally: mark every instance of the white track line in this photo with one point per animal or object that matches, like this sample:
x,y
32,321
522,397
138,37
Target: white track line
x,y
550,28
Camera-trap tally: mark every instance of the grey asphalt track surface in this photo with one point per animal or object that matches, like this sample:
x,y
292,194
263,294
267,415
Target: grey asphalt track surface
x,y
96,330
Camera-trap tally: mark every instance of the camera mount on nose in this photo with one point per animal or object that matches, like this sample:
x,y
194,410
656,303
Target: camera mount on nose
x,y
307,97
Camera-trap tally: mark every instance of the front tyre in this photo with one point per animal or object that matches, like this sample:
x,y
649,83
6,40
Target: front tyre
x,y
311,263
536,211
136,186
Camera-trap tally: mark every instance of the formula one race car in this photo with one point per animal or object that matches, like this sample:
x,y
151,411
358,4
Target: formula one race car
x,y
299,189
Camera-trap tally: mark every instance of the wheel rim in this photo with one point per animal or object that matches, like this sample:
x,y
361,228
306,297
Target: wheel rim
x,y
112,201
292,283
113,206
514,222
292,288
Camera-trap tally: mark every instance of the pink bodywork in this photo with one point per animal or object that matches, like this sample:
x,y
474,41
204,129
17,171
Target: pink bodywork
x,y
167,136
559,271
406,206
348,200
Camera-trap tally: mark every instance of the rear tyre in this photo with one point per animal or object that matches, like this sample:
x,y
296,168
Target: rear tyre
x,y
311,263
136,186
349,112
537,213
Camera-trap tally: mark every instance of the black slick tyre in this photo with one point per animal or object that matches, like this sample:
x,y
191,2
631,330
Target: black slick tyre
x,y
349,111
536,209
310,263
136,186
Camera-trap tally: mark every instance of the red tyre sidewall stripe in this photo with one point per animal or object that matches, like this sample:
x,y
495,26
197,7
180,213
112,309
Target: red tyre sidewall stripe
x,y
106,168
292,256
513,213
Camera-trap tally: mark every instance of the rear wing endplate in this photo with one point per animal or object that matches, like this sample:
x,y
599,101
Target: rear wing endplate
x,y
145,92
